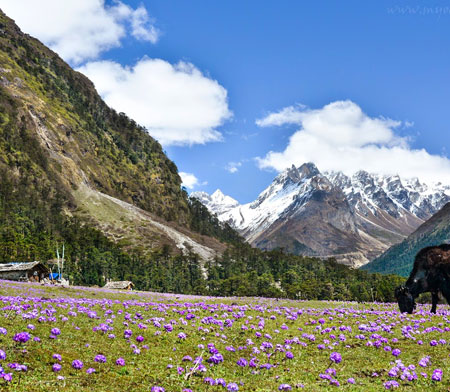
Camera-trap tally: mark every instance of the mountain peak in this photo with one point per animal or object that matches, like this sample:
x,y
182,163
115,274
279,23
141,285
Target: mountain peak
x,y
217,194
219,198
308,170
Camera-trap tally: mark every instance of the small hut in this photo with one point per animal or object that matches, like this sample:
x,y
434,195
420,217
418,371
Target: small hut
x,y
121,285
33,271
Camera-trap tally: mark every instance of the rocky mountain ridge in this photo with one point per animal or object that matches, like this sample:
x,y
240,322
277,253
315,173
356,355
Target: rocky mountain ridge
x,y
353,218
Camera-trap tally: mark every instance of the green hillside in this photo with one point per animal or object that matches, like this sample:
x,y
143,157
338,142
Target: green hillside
x,y
49,109
58,140
399,259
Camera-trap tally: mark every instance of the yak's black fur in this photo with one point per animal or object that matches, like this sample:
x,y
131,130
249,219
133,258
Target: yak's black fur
x,y
431,273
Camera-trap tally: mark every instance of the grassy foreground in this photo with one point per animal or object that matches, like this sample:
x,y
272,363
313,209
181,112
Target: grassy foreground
x,y
72,339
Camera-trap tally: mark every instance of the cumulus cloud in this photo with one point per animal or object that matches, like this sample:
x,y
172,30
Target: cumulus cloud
x,y
189,180
79,30
176,103
340,136
233,167
142,28
288,115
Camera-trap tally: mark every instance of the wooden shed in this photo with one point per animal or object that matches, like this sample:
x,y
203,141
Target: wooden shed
x,y
120,285
33,271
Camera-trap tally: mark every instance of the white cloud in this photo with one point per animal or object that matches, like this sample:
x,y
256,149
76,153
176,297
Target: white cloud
x,y
79,30
233,167
287,115
189,180
142,28
340,136
176,103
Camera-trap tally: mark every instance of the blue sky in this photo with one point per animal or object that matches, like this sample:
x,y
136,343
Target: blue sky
x,y
380,69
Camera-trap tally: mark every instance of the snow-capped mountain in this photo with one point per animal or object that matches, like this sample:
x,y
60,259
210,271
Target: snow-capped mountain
x,y
217,202
353,218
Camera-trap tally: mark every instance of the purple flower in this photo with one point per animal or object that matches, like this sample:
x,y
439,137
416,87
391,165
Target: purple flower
x,y
100,358
242,362
209,380
253,362
335,357
391,384
182,336
232,387
216,358
157,389
56,367
396,352
393,372
2,355
56,331
424,361
90,371
351,380
21,337
289,355
57,357
334,382
21,368
7,376
120,362
284,387
437,375
139,339
77,364
221,381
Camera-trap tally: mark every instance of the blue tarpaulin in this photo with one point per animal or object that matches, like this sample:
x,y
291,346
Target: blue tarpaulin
x,y
54,276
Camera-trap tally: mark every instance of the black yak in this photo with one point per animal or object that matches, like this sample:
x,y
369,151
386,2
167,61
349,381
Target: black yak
x,y
431,273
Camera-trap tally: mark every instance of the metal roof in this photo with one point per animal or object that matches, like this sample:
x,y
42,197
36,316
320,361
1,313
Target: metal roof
x,y
19,266
118,285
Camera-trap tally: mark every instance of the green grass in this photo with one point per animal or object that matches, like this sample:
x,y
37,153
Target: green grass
x,y
150,367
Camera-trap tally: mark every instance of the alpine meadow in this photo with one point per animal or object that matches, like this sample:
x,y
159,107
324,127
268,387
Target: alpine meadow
x,y
224,196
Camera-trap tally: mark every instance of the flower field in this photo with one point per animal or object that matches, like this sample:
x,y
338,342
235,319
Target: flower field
x,y
72,339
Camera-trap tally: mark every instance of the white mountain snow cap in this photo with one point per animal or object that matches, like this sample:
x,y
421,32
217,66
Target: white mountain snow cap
x,y
220,198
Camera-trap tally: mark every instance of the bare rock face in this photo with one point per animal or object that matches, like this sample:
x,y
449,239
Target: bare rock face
x,y
351,218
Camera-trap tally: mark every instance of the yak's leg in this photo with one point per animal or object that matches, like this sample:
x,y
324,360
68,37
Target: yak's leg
x,y
446,293
434,301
